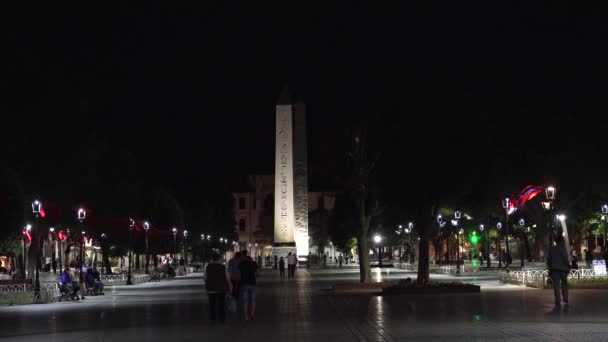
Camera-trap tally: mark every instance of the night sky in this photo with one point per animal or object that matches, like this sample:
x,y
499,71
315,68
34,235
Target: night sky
x,y
191,90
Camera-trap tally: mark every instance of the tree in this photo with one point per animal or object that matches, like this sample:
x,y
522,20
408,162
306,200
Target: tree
x,y
363,191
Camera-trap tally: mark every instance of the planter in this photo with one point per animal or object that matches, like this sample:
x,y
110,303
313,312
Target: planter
x,y
362,287
432,289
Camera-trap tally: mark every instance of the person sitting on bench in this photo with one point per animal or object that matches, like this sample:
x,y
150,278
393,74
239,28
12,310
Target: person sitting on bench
x,y
92,283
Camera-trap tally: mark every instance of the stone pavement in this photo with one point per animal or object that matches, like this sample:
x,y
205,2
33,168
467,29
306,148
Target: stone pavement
x,y
302,310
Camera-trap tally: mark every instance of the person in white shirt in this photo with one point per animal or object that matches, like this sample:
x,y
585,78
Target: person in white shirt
x,y
291,265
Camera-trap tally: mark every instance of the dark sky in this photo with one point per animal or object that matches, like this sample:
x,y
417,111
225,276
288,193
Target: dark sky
x,y
191,90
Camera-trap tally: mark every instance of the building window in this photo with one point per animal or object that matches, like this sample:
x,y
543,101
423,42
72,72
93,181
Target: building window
x,y
254,203
321,202
241,202
242,226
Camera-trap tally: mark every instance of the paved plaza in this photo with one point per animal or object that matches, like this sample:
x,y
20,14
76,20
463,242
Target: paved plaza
x,y
303,310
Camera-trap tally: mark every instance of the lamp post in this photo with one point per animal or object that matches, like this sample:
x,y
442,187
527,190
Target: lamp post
x,y
81,216
486,244
457,215
505,205
61,237
185,247
522,223
53,236
441,224
174,231
605,214
131,227
548,206
377,240
36,208
408,231
146,228
398,231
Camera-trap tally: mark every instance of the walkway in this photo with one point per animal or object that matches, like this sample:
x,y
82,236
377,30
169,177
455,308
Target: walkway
x,y
301,310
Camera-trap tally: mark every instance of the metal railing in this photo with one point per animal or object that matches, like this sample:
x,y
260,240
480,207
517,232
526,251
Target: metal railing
x,y
24,293
117,278
540,278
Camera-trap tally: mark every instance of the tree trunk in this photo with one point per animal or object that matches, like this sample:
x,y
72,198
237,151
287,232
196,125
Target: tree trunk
x,y
423,257
66,262
423,246
105,258
365,272
527,247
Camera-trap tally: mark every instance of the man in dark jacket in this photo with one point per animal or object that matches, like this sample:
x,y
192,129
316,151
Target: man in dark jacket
x,y
558,264
218,284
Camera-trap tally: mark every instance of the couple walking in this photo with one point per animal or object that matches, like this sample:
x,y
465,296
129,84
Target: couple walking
x,y
292,261
237,283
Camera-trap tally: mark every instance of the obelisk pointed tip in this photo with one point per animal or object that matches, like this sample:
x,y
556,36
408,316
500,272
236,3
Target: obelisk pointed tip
x,y
285,97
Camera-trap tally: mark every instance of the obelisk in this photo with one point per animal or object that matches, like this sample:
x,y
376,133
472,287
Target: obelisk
x,y
300,175
284,215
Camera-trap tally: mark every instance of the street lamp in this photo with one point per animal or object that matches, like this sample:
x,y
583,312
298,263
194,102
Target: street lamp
x,y
146,229
131,227
408,231
174,230
522,223
605,212
486,243
53,236
548,206
185,247
81,215
440,224
499,228
36,209
457,215
377,240
505,205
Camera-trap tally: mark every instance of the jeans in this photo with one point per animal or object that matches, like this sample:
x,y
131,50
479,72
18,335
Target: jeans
x,y
217,305
560,283
291,270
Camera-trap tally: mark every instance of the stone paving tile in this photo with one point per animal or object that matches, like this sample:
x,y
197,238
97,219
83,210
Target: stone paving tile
x,y
299,310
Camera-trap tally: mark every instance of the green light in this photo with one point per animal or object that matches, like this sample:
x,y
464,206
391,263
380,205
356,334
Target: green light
x,y
474,238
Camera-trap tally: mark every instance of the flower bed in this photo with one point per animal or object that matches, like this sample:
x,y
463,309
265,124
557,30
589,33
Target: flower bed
x,y
430,288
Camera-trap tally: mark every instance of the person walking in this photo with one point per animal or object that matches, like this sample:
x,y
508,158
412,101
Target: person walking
x,y
559,268
588,257
291,265
340,259
541,255
282,268
248,269
574,259
235,274
218,284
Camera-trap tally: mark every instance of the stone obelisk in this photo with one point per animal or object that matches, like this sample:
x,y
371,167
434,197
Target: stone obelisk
x,y
284,212
300,173
291,180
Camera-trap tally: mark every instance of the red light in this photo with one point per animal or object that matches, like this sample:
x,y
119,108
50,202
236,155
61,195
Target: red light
x,y
42,213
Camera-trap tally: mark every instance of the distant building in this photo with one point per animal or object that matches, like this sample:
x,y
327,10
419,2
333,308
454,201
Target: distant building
x,y
254,213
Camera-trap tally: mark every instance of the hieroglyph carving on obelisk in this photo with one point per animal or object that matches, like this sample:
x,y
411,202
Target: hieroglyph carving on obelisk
x,y
284,221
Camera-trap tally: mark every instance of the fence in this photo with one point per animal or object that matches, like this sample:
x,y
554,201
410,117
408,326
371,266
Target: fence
x,y
24,293
118,278
540,278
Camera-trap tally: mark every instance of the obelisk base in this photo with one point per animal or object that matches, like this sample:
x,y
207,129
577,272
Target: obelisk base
x,y
282,249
